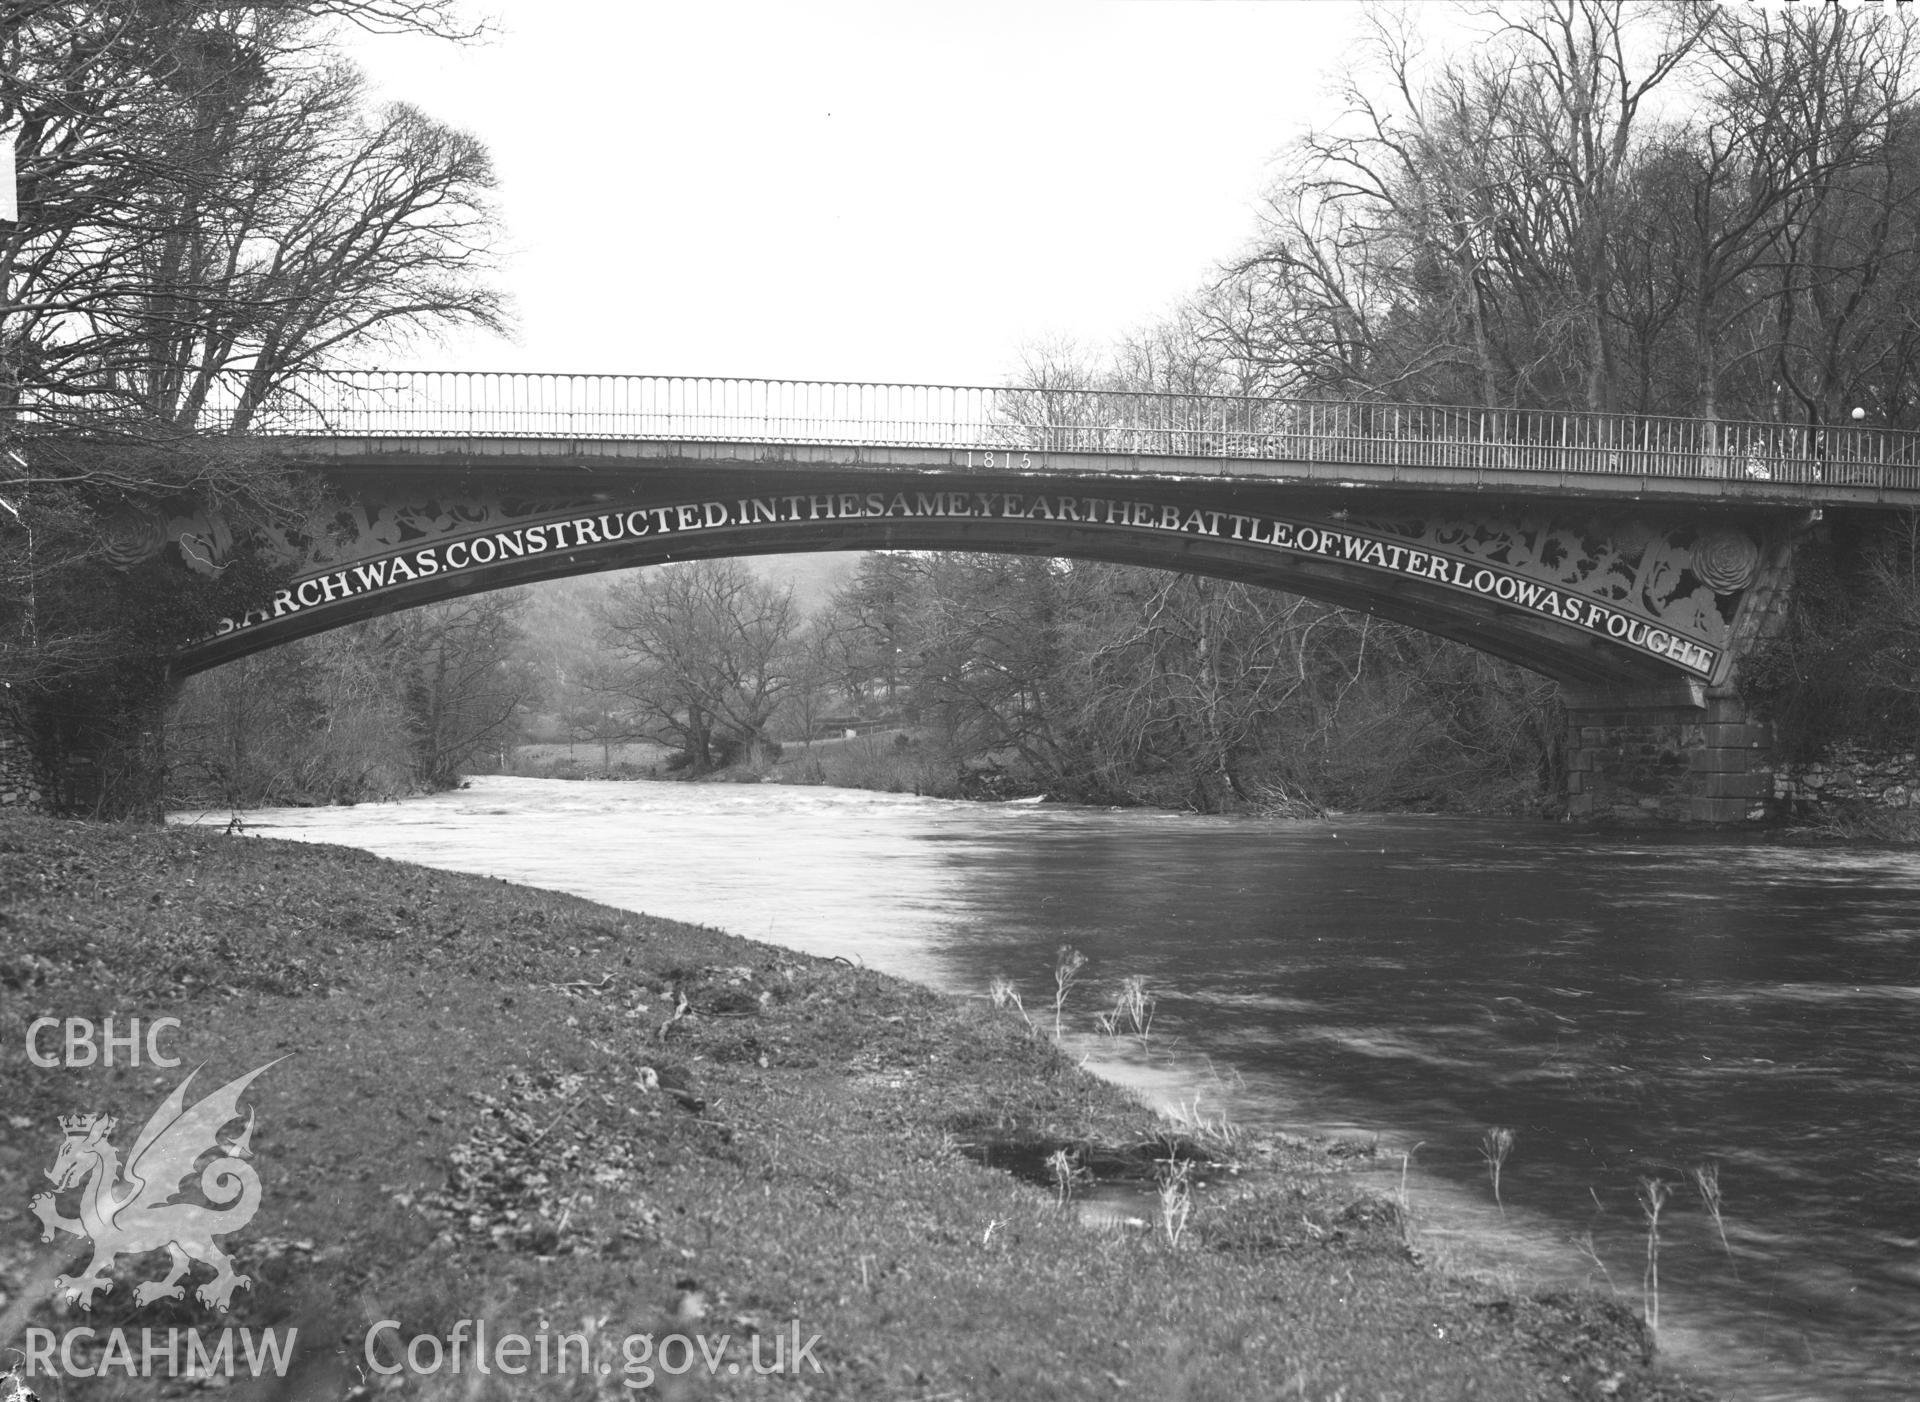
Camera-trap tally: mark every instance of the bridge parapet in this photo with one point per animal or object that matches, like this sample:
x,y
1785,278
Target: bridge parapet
x,y
1745,458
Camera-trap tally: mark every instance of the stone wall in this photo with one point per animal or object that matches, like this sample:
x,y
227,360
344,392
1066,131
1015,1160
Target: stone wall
x,y
1849,774
1714,765
20,782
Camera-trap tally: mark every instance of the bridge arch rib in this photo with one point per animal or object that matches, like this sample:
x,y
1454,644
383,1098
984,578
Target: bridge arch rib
x,y
1605,596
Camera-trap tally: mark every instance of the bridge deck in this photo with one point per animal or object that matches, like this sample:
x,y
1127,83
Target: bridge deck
x,y
535,418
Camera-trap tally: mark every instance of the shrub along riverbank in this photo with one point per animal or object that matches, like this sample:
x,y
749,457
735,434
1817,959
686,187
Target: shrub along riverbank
x,y
514,1107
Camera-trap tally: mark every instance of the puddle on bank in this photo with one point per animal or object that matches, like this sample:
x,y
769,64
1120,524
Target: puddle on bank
x,y
1108,1186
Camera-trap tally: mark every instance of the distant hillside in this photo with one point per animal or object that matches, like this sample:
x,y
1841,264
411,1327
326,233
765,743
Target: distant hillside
x,y
560,622
813,577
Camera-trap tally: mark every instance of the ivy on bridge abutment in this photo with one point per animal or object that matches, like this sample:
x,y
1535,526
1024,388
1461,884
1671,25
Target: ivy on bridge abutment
x,y
94,672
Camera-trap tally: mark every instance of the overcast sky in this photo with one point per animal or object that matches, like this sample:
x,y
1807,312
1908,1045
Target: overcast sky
x,y
889,191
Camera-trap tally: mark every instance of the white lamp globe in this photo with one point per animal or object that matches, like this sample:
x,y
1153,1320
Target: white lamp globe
x,y
1858,413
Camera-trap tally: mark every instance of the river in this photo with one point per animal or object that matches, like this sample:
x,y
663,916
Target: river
x,y
1631,1007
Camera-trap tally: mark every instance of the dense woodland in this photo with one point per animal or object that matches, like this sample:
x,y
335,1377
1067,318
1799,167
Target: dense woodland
x,y
1702,210
987,675
371,710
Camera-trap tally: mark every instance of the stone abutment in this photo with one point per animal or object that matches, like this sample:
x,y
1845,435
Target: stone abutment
x,y
1711,762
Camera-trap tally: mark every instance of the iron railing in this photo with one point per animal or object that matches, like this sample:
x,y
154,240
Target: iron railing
x,y
430,403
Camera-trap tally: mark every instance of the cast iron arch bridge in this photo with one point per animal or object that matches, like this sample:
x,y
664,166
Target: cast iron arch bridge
x,y
1632,558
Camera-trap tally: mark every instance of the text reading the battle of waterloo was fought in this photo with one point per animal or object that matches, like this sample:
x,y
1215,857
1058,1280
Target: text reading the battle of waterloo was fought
x,y
1272,533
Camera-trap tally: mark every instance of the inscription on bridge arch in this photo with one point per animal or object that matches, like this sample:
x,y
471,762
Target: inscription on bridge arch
x,y
1668,593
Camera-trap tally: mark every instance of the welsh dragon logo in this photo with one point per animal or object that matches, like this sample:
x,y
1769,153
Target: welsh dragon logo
x,y
138,1215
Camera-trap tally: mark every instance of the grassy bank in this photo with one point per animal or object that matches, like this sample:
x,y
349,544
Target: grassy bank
x,y
890,761
465,1128
634,760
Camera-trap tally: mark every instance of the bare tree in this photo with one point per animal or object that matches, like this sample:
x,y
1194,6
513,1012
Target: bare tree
x,y
242,218
864,634
708,653
316,719
464,686
988,649
1454,235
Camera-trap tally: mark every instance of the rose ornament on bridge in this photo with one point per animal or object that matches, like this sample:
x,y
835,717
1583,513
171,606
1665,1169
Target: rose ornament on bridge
x,y
131,536
1725,560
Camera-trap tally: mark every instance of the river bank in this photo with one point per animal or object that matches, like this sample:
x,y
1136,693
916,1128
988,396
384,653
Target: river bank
x,y
902,760
463,1130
